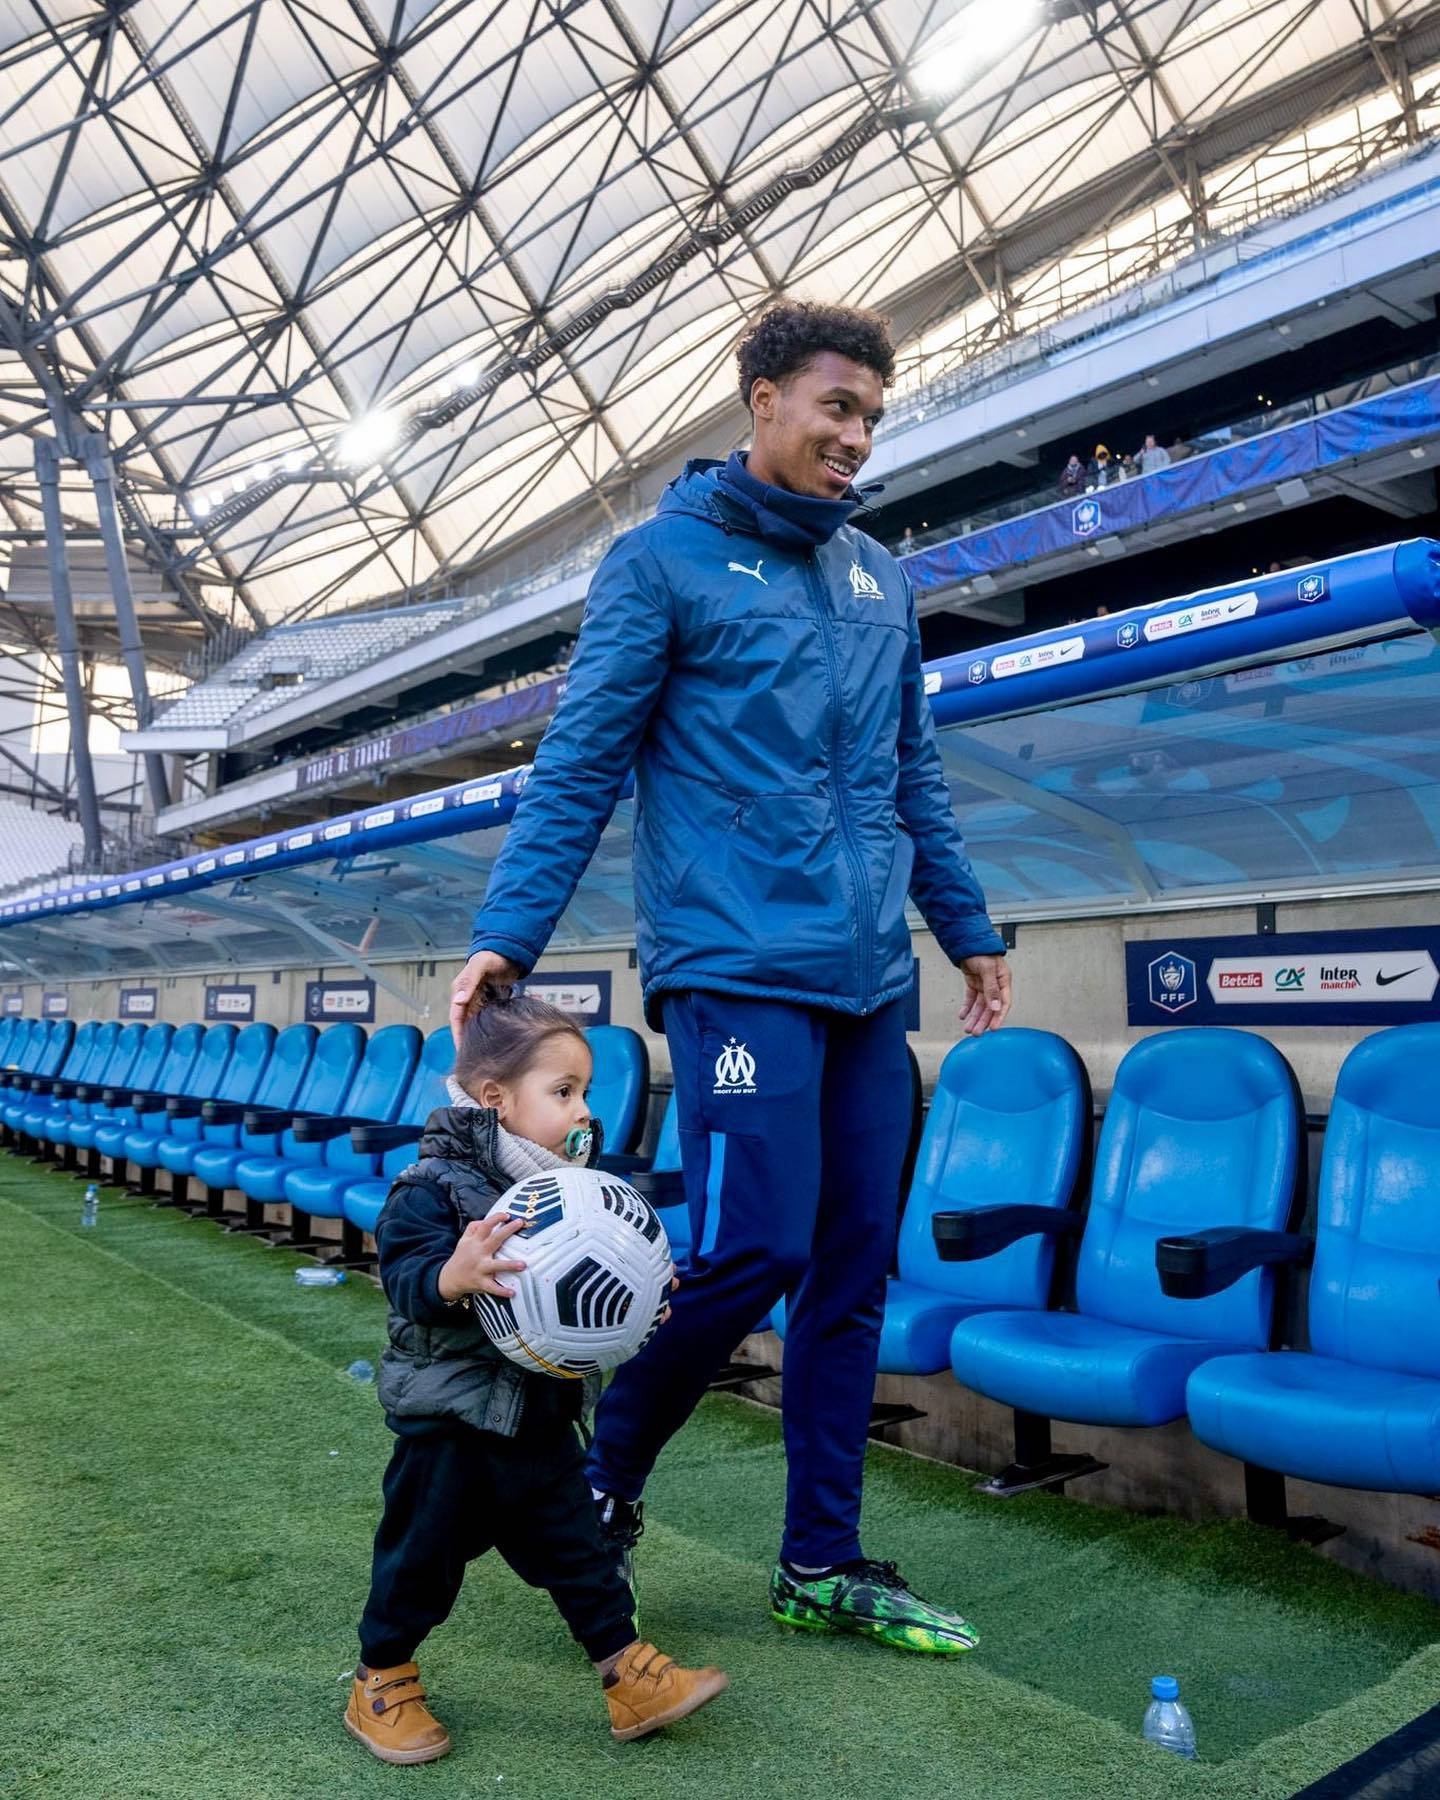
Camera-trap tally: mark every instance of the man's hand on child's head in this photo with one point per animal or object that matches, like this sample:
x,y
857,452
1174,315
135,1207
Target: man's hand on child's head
x,y
476,1262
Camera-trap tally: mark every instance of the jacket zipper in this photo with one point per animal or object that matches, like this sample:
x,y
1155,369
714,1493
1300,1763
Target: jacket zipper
x,y
857,873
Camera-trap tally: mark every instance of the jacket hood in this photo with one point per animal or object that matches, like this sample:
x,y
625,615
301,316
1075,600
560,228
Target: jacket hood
x,y
696,490
465,1134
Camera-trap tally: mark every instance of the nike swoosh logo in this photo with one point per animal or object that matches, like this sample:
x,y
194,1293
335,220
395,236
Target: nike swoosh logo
x,y
1385,980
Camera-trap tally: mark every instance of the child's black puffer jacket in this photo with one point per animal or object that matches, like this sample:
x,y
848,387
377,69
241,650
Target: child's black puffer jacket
x,y
440,1367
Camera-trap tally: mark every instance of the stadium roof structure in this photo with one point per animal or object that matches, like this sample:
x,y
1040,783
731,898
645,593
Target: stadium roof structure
x,y
357,294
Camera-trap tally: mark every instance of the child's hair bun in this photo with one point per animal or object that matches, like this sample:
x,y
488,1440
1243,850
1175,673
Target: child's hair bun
x,y
503,1036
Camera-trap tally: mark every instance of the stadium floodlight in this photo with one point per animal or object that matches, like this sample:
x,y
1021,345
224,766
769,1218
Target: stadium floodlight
x,y
974,40
200,505
466,376
368,439
295,461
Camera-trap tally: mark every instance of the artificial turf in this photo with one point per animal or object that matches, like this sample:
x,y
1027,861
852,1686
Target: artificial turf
x,y
189,1484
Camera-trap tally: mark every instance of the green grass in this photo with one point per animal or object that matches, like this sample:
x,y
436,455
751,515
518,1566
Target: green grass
x,y
188,1486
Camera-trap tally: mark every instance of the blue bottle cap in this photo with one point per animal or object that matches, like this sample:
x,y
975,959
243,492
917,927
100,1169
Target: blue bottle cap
x,y
1165,1687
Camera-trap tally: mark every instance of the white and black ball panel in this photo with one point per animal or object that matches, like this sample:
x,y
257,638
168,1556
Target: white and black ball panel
x,y
597,1274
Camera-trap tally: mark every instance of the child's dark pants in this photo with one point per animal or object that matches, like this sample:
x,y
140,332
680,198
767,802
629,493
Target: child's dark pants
x,y
454,1493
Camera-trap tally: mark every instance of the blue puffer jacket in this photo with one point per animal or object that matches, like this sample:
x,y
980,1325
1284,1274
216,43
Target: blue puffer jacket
x,y
788,788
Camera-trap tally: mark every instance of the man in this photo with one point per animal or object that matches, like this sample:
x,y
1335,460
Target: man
x,y
758,661
1072,478
1154,456
1102,471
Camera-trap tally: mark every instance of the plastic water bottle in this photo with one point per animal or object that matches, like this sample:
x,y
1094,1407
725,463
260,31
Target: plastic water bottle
x,y
361,1371
90,1207
321,1277
1166,1721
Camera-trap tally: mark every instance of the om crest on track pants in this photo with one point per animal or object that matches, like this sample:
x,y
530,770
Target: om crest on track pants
x,y
793,1127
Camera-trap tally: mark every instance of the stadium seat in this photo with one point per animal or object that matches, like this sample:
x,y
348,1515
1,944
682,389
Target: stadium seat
x,y
390,1148
1361,1407
265,1070
113,1106
9,1025
1204,1129
186,1128
31,1091
315,1188
396,1144
1010,1122
51,1099
147,1102
114,1095
44,1052
207,1072
25,1048
659,1179
619,1084
79,1097
260,1173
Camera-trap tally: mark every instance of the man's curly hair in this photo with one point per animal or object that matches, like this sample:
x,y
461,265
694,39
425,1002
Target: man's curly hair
x,y
787,335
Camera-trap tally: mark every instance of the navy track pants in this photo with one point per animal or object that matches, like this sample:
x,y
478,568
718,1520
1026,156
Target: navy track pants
x,y
793,1127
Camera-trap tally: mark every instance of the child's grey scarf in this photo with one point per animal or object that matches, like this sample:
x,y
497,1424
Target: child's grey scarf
x,y
517,1156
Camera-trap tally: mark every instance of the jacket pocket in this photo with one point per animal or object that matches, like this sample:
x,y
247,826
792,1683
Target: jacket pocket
x,y
890,915
771,855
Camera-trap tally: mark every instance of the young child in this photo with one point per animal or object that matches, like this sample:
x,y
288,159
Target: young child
x,y
488,1455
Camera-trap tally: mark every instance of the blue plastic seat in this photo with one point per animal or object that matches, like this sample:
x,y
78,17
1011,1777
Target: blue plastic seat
x,y
45,1050
660,1179
265,1073
1009,1122
113,1104
260,1174
51,1101
186,1128
147,1100
362,1199
1361,1407
1204,1129
202,1082
25,1049
31,1096
84,1095
316,1188
619,1084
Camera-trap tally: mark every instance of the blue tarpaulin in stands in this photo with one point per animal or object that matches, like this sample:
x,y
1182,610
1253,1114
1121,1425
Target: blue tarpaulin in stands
x,y
1190,486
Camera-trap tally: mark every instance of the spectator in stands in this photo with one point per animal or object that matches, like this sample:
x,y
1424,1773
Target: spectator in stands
x,y
487,1455
906,546
1102,471
784,781
1179,450
1072,478
1127,466
1153,456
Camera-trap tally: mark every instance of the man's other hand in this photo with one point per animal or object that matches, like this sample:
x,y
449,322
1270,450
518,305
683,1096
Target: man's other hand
x,y
987,998
485,971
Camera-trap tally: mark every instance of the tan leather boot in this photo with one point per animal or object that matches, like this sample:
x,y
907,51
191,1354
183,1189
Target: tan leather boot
x,y
387,1712
646,1690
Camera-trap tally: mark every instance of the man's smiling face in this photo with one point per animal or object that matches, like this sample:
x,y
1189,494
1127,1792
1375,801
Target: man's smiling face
x,y
815,429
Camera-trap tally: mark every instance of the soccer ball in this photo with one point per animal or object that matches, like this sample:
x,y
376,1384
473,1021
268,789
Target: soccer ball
x,y
596,1279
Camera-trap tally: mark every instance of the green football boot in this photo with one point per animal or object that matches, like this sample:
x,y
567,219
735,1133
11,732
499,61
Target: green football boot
x,y
871,1600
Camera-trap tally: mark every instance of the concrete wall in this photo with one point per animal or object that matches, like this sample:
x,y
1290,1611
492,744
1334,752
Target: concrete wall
x,y
1069,978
